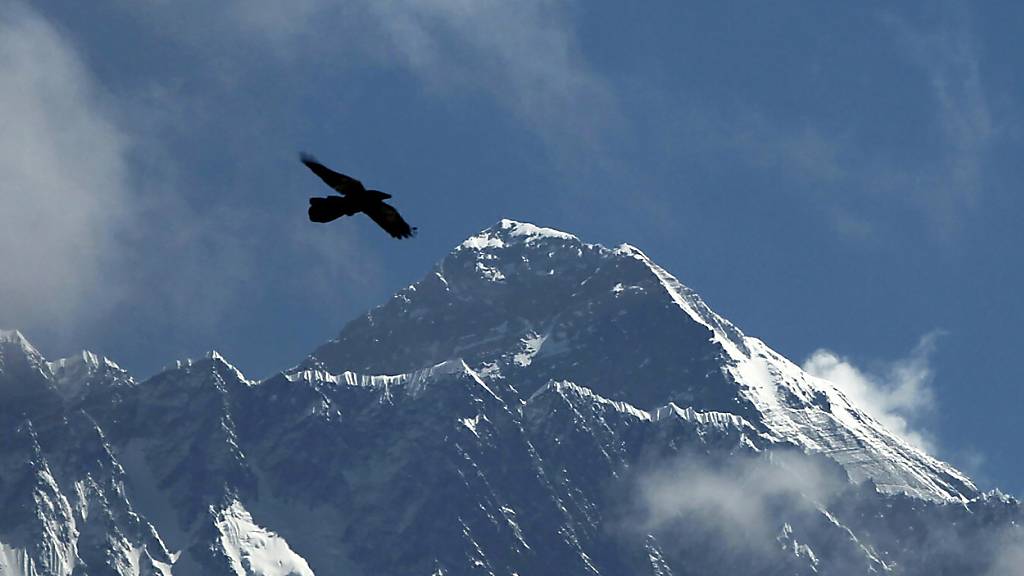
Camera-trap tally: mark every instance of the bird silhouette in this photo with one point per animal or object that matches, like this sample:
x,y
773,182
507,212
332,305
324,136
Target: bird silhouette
x,y
354,198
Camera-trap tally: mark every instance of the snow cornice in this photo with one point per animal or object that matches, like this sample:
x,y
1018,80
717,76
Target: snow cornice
x,y
414,383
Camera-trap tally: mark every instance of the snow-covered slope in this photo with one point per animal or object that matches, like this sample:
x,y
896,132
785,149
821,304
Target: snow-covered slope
x,y
64,506
526,305
535,405
254,550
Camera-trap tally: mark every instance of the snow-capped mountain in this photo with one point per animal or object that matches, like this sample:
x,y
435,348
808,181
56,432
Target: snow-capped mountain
x,y
534,405
527,305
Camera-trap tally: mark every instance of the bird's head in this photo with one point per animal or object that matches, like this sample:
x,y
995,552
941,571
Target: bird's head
x,y
380,195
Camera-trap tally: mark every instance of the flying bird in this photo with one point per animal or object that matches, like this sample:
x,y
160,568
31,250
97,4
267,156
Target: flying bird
x,y
354,198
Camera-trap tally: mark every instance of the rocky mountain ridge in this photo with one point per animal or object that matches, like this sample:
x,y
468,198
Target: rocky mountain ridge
x,y
534,405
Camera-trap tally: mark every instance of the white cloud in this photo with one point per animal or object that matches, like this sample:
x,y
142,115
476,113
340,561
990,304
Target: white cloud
x,y
731,498
101,216
899,396
83,230
733,513
736,513
63,197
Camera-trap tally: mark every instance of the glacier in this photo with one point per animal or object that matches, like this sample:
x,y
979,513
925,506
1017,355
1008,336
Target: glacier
x,y
535,404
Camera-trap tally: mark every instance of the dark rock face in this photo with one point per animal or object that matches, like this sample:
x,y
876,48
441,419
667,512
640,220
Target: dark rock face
x,y
536,405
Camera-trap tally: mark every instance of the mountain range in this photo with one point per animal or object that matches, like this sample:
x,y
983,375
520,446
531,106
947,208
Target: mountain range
x,y
535,405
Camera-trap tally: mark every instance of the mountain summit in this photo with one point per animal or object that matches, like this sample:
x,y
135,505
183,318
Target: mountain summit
x,y
525,305
534,405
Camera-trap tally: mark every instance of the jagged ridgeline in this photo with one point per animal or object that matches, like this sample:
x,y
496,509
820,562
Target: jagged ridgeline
x,y
535,405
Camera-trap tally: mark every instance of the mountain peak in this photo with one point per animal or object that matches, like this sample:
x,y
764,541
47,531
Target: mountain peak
x,y
525,305
75,375
18,339
90,360
17,351
510,232
507,413
210,362
11,336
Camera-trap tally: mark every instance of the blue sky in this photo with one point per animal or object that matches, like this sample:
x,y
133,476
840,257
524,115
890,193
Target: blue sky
x,y
839,180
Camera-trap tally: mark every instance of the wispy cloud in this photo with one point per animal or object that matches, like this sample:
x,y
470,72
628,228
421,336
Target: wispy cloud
x,y
1009,553
524,54
738,514
732,498
82,230
804,151
832,161
899,396
948,56
280,22
63,194
98,218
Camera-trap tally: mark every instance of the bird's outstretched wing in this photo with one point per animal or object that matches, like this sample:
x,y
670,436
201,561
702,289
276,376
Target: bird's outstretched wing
x,y
388,218
341,183
331,208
